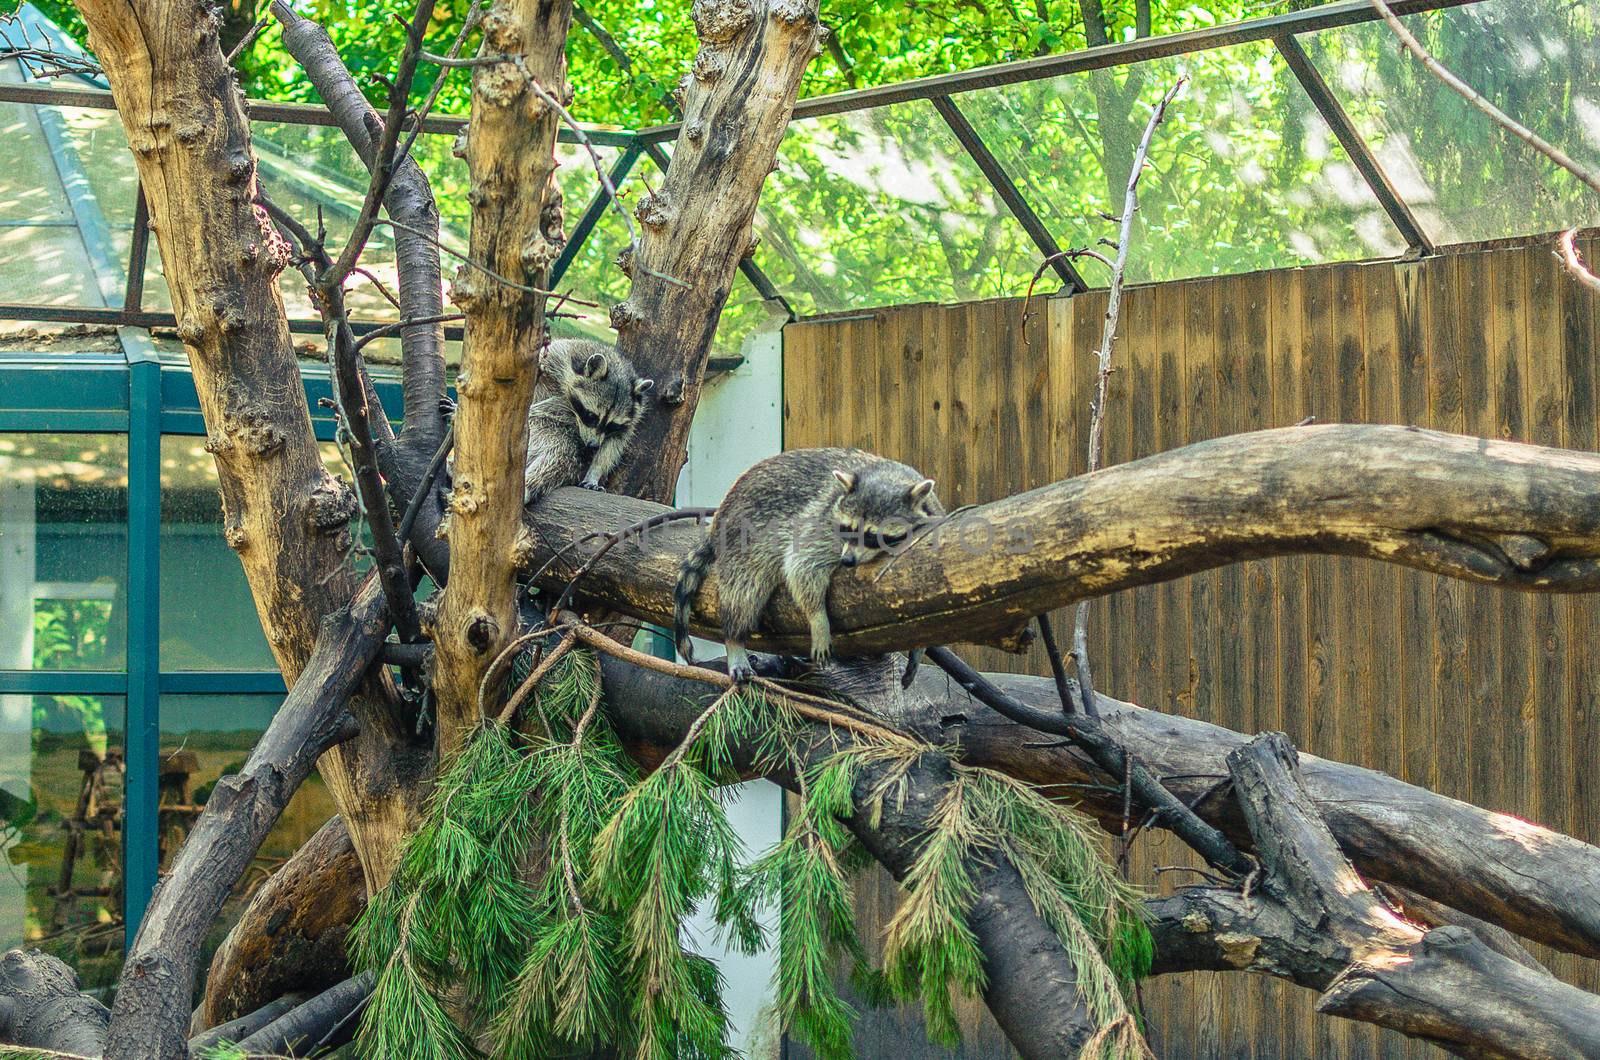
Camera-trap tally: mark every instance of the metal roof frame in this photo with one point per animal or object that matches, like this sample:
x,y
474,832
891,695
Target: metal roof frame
x,y
939,91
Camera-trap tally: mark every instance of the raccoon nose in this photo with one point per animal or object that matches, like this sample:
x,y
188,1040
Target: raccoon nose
x,y
847,558
591,446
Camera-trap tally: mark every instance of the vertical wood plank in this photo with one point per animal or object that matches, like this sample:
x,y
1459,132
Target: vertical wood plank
x,y
1416,678
1385,709
1452,685
1485,721
1546,405
1578,333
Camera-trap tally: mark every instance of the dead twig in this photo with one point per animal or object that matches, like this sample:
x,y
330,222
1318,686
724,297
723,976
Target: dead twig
x,y
1568,252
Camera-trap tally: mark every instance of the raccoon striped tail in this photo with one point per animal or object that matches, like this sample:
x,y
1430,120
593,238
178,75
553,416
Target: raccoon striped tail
x,y
691,576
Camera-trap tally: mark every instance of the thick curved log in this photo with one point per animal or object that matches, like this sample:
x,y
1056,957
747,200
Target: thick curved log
x,y
291,936
151,1013
1521,516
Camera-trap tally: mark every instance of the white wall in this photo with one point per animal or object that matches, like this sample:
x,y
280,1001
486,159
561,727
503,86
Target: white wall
x,y
739,421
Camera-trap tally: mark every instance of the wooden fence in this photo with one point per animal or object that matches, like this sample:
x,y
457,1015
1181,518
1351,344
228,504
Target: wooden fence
x,y
1481,694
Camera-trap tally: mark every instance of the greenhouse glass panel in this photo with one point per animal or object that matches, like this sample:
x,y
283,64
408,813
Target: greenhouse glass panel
x,y
61,803
1466,179
882,207
203,738
208,616
63,551
1243,174
66,204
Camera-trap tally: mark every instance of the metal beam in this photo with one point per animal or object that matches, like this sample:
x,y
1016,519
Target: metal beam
x,y
593,212
1344,130
133,296
1120,53
288,113
72,314
141,792
1004,187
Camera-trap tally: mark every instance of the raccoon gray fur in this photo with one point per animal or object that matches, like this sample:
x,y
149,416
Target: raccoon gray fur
x,y
589,401
791,520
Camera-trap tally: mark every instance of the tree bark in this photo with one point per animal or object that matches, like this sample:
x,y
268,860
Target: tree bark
x,y
696,228
301,1030
41,1006
1537,883
292,934
1312,920
1520,516
510,152
152,1005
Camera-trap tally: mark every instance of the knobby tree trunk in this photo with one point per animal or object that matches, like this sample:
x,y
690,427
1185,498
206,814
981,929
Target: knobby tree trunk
x,y
516,234
283,514
695,228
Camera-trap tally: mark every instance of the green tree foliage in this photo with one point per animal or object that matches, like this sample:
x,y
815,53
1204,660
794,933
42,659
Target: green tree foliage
x,y
540,908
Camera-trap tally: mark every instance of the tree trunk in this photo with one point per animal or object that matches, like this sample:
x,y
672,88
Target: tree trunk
x,y
292,934
516,233
283,514
696,228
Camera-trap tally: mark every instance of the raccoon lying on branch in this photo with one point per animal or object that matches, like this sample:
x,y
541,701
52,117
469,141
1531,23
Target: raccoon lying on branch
x,y
791,520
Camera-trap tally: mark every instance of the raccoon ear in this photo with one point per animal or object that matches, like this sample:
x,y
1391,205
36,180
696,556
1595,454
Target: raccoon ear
x,y
643,387
595,366
846,479
920,490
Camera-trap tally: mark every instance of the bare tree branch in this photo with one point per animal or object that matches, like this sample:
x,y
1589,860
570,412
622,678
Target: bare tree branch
x,y
1314,921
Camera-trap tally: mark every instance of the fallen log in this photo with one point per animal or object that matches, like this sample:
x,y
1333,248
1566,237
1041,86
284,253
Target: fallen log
x,y
292,934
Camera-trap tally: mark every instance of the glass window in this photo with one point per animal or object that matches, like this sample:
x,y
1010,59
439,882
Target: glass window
x,y
61,829
1538,60
66,203
1243,175
208,617
202,739
881,207
63,551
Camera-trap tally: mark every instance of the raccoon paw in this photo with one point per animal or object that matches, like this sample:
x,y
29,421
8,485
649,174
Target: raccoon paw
x,y
822,659
742,674
593,487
